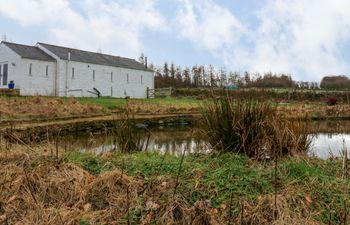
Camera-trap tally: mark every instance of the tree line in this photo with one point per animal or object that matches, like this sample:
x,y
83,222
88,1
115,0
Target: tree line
x,y
171,75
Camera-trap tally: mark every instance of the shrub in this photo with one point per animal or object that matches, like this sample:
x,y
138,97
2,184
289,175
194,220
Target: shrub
x,y
252,127
332,101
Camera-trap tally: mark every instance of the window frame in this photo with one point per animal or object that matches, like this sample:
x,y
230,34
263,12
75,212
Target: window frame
x,y
47,71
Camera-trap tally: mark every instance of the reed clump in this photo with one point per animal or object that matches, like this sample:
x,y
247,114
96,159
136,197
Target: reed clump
x,y
128,137
252,127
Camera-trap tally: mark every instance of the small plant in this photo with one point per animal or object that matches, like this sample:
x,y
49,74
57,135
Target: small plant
x,y
332,101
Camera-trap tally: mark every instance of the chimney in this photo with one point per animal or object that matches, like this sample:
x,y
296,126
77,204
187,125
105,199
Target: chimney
x,y
146,66
69,56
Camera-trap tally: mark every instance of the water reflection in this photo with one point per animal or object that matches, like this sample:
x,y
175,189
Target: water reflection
x,y
177,140
329,145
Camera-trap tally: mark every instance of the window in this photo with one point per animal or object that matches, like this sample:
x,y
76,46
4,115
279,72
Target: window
x,y
73,73
30,69
4,74
47,71
93,75
127,78
111,76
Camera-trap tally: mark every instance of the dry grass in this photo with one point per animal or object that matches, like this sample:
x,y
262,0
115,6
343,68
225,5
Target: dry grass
x,y
161,108
41,107
264,211
64,193
314,110
36,190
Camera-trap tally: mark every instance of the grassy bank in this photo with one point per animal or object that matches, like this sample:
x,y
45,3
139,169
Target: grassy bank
x,y
308,190
149,188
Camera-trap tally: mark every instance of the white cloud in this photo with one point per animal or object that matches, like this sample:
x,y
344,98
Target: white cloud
x,y
301,37
304,38
207,24
113,26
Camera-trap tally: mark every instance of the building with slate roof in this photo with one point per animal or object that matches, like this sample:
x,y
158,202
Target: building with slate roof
x,y
52,70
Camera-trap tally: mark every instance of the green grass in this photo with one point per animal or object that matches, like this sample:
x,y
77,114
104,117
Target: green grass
x,y
214,177
114,103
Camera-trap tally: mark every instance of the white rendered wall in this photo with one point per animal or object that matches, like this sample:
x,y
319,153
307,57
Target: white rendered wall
x,y
36,83
7,56
125,82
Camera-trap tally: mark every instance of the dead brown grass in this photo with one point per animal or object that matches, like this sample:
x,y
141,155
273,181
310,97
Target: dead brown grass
x,y
265,211
41,108
42,191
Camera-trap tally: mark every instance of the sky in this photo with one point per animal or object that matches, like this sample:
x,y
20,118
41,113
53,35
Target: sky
x,y
306,38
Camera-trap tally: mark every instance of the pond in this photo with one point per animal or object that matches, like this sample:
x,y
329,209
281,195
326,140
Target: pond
x,y
328,140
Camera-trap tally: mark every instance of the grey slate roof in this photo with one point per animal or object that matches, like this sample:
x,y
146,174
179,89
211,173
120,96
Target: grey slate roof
x,y
29,52
93,57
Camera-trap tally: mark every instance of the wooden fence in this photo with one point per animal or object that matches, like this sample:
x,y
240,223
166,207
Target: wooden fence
x,y
159,92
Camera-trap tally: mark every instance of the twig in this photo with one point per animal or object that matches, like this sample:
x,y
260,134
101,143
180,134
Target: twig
x,y
345,159
178,174
30,186
230,214
128,204
275,184
346,213
242,212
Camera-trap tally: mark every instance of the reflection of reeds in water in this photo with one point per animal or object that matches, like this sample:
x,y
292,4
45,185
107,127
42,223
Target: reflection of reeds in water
x,y
127,137
330,127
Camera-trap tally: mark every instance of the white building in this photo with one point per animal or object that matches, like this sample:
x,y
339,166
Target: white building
x,y
51,70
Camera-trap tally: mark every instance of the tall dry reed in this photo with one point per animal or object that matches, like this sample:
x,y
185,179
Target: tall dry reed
x,y
127,137
252,127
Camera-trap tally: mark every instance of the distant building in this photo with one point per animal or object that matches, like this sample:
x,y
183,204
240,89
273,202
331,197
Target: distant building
x,y
51,70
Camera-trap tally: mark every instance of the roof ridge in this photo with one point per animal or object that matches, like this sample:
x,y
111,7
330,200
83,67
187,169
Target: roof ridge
x,y
13,43
60,46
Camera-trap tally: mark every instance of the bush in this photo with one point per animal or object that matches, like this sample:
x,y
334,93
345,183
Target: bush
x,y
332,101
252,127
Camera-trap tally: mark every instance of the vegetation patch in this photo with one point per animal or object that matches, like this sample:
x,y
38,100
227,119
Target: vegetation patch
x,y
252,127
139,188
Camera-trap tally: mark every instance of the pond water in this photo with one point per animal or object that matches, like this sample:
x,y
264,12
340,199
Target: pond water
x,y
329,139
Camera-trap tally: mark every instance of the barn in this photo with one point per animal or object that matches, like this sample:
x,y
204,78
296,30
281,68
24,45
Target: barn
x,y
51,70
